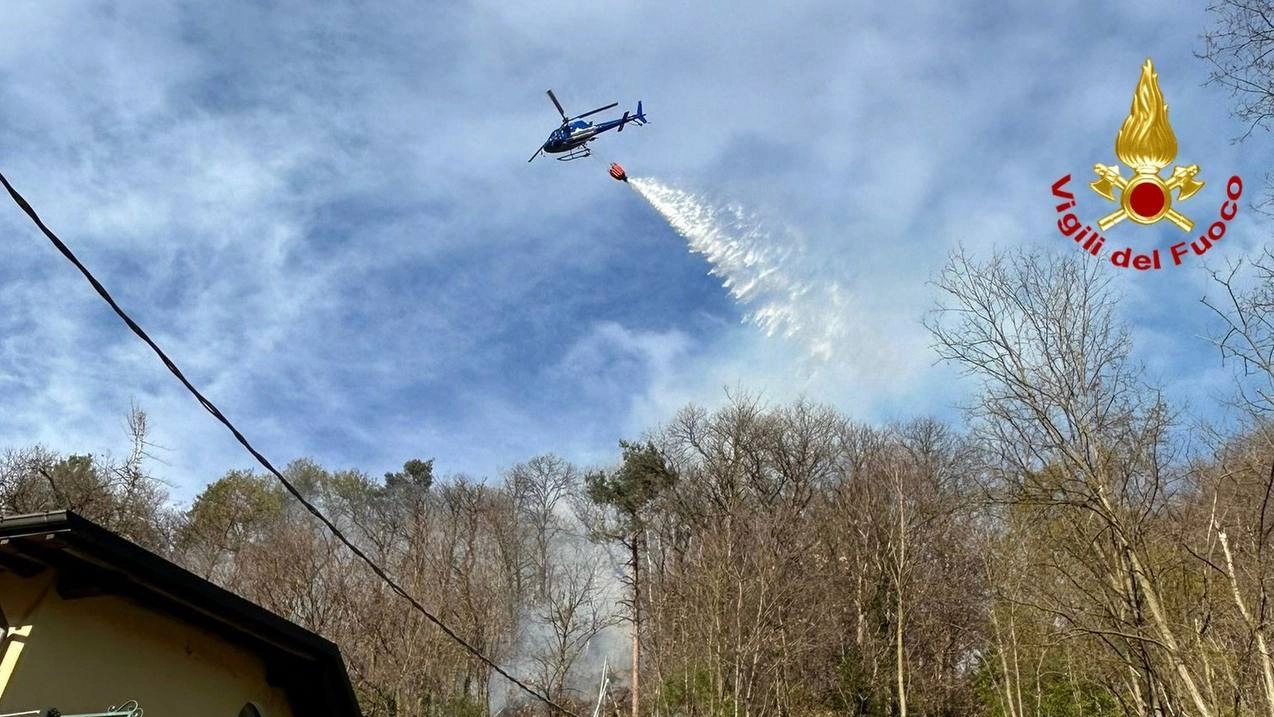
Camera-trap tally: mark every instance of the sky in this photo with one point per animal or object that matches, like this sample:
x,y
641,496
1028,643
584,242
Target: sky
x,y
324,213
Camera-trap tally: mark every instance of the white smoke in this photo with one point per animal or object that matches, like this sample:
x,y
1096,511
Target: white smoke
x,y
765,268
537,640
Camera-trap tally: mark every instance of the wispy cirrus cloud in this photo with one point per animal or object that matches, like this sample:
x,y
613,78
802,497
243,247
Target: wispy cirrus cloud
x,y
325,214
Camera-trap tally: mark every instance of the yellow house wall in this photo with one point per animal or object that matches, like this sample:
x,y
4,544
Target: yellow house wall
x,y
86,654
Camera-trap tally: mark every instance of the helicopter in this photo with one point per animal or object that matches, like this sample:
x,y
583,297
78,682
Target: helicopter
x,y
572,138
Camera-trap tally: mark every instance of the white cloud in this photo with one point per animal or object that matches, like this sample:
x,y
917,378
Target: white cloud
x,y
325,213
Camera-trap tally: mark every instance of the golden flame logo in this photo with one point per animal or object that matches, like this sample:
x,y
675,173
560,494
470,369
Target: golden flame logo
x,y
1146,144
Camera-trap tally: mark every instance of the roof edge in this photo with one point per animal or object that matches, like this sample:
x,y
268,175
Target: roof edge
x,y
165,578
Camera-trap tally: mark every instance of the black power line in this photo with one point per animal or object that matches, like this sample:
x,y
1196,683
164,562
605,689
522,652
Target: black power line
x,y
216,413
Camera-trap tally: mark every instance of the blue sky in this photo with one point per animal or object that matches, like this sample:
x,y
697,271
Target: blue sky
x,y
326,216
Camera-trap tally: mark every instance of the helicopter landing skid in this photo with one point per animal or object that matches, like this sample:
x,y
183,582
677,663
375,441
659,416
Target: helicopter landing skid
x,y
578,153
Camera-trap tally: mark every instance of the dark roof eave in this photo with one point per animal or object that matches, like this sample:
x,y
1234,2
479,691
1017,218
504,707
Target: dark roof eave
x,y
165,578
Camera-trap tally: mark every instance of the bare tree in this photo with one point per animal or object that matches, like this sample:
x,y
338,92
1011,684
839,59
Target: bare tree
x,y
1238,47
122,496
575,608
1080,439
1247,318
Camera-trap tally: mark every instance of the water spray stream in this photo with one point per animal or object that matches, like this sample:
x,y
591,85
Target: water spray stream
x,y
764,268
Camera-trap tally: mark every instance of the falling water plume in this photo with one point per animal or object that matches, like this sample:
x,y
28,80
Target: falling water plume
x,y
765,268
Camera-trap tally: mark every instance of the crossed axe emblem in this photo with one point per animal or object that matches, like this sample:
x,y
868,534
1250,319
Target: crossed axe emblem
x,y
1109,179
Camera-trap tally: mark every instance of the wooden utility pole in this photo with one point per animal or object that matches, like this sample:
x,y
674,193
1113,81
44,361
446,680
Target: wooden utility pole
x,y
901,566
636,564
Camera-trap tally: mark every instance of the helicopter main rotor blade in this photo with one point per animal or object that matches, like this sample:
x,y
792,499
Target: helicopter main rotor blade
x,y
537,153
558,105
599,109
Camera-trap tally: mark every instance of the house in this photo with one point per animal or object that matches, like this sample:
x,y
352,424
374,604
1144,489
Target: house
x,y
90,621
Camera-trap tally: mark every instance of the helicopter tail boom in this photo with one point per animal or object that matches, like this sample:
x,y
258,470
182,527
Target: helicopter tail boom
x,y
639,118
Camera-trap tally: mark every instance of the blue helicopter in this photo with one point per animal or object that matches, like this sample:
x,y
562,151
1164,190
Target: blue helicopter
x,y
572,138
